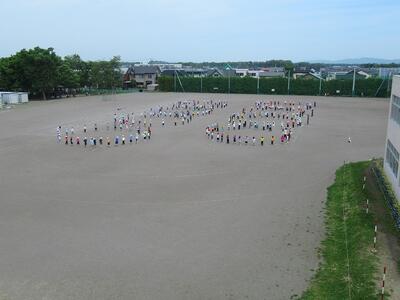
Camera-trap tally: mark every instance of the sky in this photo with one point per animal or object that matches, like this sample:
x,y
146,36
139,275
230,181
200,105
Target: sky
x,y
204,30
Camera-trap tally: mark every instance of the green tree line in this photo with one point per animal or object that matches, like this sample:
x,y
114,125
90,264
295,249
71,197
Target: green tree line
x,y
371,87
41,72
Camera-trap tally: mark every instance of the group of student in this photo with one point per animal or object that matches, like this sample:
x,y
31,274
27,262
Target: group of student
x,y
262,116
129,128
71,139
214,135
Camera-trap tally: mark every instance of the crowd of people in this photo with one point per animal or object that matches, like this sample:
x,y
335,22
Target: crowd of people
x,y
264,122
273,120
130,128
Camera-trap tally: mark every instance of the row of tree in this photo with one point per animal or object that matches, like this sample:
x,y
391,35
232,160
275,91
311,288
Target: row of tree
x,y
43,73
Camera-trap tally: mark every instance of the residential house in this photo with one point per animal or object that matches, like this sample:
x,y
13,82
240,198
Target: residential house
x,y
254,73
388,72
265,74
221,73
215,73
192,72
241,72
274,69
166,66
350,75
141,76
300,72
308,75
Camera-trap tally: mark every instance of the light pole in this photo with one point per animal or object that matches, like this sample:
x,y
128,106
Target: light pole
x,y
288,83
388,86
353,90
175,81
228,68
229,83
201,84
320,84
258,84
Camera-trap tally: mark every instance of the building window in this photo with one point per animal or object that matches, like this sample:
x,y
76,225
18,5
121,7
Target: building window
x,y
392,158
149,76
395,111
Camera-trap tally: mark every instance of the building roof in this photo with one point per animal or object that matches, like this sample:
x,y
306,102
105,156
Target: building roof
x,y
170,72
309,74
317,76
146,69
195,71
273,69
229,72
6,92
213,71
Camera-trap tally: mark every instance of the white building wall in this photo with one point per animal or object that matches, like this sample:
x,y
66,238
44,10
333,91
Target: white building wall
x,y
13,97
393,134
254,73
241,72
24,97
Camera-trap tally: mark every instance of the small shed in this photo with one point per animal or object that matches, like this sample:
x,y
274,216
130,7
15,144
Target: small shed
x,y
13,97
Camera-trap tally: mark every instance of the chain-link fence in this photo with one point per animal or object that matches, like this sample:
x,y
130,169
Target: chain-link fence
x,y
371,87
92,91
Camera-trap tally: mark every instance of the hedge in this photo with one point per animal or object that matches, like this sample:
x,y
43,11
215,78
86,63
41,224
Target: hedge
x,y
370,87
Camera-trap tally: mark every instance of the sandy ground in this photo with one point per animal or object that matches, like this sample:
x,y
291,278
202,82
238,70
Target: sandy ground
x,y
177,218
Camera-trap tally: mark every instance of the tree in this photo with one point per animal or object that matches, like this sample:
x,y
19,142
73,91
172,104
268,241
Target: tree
x,y
105,74
67,77
80,68
35,70
7,76
289,66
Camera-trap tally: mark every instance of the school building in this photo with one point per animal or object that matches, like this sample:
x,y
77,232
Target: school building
x,y
391,164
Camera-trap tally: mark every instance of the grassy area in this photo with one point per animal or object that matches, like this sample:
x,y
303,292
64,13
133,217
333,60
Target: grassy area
x,y
348,266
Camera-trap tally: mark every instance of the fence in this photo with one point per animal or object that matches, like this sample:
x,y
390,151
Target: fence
x,y
371,87
386,189
92,91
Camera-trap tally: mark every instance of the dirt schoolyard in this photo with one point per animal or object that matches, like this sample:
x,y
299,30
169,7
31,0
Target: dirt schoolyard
x,y
177,217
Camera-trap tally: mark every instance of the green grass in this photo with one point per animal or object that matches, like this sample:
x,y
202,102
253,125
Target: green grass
x,y
348,239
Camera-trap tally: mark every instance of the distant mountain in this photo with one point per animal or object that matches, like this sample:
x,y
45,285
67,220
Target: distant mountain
x,y
358,61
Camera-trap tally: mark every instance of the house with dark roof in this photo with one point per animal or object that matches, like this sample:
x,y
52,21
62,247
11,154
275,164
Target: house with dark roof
x,y
141,76
304,73
307,75
221,73
193,72
214,73
350,75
